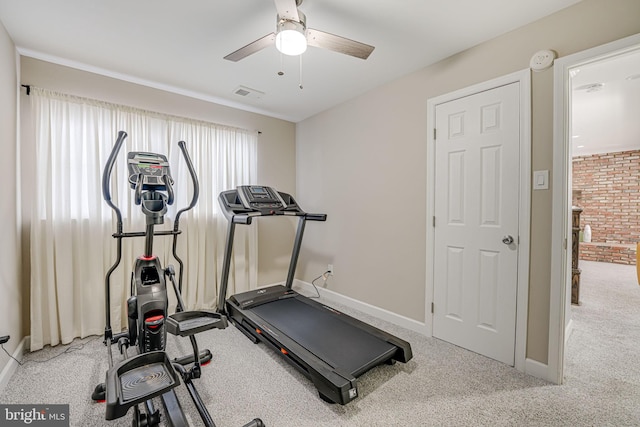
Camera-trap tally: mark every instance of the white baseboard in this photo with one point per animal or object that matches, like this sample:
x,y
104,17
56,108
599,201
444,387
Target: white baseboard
x,y
12,365
372,310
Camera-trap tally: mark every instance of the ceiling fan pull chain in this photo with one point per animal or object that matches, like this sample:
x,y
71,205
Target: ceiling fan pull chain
x,y
300,86
281,72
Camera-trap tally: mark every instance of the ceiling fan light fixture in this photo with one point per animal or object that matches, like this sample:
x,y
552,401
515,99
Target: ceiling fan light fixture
x,y
290,38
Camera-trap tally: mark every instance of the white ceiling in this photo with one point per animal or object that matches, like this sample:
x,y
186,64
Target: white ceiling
x,y
180,45
606,119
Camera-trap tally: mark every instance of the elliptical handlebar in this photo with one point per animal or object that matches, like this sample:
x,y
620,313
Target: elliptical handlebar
x,y
194,179
137,198
168,184
106,176
176,223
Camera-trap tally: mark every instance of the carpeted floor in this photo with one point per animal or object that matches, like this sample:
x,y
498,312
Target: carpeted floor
x,y
443,385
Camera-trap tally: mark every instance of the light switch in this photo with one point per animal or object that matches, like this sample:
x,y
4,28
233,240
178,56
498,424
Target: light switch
x,y
541,180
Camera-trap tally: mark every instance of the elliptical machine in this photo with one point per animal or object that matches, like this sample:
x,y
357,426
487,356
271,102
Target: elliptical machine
x,y
146,371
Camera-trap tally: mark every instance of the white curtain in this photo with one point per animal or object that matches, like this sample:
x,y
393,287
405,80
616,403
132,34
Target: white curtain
x,y
71,225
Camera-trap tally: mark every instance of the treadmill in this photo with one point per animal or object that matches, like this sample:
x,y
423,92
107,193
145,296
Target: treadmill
x,y
329,347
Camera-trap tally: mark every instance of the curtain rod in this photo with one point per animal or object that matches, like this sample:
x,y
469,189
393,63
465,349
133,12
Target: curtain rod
x,y
28,87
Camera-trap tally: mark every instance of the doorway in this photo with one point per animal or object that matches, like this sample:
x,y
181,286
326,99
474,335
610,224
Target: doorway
x,y
439,307
605,146
561,270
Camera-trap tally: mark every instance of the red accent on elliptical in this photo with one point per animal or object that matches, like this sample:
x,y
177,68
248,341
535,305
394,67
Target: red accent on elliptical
x,y
151,321
147,258
154,318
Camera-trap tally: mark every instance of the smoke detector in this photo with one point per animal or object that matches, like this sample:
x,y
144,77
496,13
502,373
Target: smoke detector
x,y
542,60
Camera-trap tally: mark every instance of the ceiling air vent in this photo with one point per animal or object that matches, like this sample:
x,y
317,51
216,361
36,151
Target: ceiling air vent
x,y
247,92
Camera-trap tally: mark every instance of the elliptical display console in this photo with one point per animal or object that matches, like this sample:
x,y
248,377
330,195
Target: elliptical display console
x,y
151,168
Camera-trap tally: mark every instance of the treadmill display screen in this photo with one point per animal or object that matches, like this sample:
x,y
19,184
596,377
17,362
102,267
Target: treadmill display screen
x,y
260,197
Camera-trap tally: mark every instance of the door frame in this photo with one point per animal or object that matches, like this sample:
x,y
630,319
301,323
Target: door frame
x,y
522,301
560,300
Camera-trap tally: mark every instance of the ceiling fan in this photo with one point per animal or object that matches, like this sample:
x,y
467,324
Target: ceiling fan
x,y
292,36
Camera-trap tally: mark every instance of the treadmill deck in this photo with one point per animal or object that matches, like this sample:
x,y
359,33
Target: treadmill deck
x,y
323,333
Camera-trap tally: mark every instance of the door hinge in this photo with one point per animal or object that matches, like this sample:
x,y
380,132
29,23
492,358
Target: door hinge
x,y
432,308
564,244
434,221
434,134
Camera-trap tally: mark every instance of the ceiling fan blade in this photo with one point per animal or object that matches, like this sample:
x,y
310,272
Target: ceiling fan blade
x,y
338,44
287,9
252,48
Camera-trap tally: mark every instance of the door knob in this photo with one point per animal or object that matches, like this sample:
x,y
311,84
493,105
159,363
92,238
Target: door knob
x,y
507,240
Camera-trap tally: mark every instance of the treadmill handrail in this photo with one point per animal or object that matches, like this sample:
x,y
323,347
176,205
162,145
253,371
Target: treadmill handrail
x,y
239,213
246,218
234,209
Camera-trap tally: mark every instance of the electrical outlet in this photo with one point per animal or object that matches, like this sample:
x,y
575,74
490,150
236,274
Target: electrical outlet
x,y
330,269
4,339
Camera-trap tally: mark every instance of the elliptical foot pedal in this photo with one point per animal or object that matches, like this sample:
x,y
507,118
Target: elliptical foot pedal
x,y
205,357
187,323
137,379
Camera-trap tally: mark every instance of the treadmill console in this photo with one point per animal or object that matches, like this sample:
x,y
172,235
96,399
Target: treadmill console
x,y
257,197
255,200
247,201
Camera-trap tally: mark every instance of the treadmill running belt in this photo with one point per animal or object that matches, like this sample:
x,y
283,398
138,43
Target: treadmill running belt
x,y
324,334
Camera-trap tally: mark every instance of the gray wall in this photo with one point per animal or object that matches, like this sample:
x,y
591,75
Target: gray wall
x,y
10,286
364,164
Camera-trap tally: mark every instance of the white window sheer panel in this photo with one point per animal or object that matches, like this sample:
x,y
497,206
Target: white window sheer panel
x,y
71,225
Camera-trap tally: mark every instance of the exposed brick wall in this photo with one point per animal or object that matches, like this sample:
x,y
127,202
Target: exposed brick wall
x,y
607,188
618,254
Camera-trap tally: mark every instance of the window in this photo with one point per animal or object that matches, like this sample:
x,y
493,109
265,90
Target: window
x,y
71,225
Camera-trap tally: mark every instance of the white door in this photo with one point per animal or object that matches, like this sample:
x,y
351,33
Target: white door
x,y
476,215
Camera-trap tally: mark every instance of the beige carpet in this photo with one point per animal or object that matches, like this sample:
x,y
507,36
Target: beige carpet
x,y
442,386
